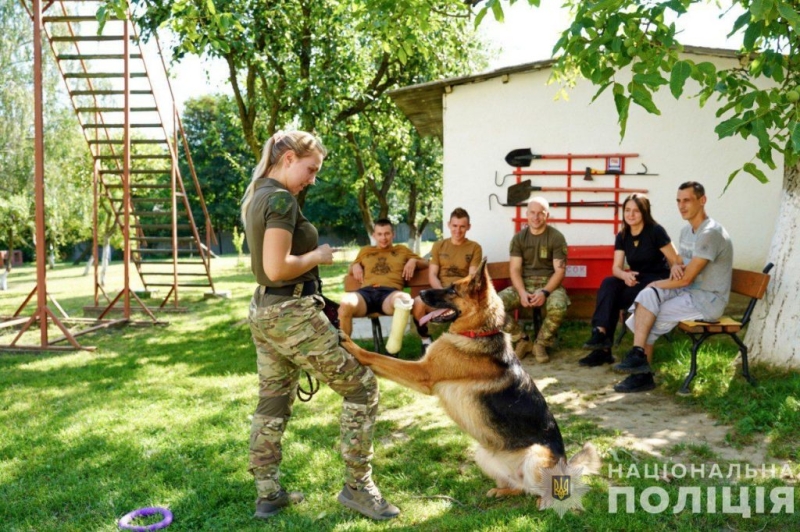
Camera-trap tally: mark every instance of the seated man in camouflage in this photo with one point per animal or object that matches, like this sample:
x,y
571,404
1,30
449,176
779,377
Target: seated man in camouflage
x,y
537,266
382,270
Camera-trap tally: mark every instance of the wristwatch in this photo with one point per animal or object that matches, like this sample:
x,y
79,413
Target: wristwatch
x,y
545,292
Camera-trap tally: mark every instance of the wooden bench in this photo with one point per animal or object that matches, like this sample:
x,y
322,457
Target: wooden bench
x,y
747,283
498,271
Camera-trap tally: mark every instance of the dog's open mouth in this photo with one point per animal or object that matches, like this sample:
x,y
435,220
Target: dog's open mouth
x,y
442,315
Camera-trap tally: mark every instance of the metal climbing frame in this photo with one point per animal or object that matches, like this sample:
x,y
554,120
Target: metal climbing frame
x,y
136,164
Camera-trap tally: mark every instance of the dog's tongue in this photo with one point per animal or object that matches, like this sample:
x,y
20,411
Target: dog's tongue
x,y
428,317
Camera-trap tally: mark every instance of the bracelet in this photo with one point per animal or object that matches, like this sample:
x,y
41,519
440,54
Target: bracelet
x,y
545,292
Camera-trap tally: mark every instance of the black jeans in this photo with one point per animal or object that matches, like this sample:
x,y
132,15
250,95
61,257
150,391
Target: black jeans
x,y
614,295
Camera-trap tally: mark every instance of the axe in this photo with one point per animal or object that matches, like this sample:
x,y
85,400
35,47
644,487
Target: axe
x,y
522,191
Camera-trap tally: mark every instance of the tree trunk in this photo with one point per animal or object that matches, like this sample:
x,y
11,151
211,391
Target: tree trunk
x,y
87,251
411,218
9,262
105,260
363,208
10,258
772,334
88,265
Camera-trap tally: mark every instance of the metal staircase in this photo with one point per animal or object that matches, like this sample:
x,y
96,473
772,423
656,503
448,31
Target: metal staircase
x,y
111,89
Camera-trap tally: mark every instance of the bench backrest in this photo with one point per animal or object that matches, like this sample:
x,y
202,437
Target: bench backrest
x,y
498,271
418,282
752,285
749,283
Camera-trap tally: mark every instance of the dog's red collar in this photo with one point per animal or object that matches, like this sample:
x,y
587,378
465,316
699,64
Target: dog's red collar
x,y
475,334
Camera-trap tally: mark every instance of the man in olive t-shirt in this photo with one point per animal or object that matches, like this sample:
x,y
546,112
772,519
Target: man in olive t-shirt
x,y
382,270
537,266
451,259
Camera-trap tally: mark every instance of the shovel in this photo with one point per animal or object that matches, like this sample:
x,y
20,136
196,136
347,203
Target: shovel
x,y
522,191
523,156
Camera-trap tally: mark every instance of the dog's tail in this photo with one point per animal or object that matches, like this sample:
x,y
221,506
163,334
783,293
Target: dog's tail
x,y
588,458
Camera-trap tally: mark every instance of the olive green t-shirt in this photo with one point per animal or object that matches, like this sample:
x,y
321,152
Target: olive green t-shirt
x,y
384,267
273,206
455,261
539,251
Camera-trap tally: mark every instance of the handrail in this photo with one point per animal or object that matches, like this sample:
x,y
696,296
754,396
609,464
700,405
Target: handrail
x,y
209,228
174,154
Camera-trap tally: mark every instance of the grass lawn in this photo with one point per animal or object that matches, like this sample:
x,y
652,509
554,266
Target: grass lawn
x,y
160,416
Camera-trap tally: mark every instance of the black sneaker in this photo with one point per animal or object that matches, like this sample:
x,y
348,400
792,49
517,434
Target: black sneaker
x,y
635,362
599,340
640,382
598,357
269,506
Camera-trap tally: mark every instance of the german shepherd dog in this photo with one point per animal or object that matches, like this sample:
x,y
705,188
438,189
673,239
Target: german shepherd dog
x,y
482,386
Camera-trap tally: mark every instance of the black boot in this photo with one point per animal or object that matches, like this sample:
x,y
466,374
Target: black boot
x,y
599,340
640,382
598,357
635,362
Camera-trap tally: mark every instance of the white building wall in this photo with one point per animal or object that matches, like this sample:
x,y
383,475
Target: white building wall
x,y
484,121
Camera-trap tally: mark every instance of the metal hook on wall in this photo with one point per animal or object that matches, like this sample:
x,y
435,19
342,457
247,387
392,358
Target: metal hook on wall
x,y
501,183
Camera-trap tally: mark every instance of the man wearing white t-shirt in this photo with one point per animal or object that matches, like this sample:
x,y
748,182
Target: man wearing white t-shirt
x,y
698,288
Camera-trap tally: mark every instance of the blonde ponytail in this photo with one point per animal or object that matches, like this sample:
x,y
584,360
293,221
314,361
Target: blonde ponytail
x,y
301,143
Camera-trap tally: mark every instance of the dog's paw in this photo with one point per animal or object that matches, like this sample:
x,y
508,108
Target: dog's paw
x,y
347,343
503,492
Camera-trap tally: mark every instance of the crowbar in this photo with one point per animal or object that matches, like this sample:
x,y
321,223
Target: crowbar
x,y
587,173
522,191
557,203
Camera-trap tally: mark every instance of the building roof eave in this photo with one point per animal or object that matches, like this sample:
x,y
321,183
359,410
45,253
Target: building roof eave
x,y
423,103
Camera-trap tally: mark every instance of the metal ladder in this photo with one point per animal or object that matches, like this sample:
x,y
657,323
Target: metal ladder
x,y
110,87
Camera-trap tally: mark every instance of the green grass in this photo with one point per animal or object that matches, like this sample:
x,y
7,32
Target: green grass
x,y
159,416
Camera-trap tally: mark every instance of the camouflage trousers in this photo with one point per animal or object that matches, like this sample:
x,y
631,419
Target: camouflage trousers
x,y
294,335
555,306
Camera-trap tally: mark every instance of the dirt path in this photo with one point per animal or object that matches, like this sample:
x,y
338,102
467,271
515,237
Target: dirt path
x,y
652,422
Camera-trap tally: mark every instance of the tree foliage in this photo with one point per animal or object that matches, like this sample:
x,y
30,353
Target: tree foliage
x,y
326,65
67,163
16,105
607,36
221,157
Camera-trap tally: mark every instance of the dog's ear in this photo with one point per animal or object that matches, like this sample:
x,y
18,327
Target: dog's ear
x,y
480,280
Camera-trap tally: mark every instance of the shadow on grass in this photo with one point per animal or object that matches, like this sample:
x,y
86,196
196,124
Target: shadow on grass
x,y
769,408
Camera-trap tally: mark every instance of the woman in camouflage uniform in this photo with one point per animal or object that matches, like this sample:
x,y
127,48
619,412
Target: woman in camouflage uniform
x,y
291,332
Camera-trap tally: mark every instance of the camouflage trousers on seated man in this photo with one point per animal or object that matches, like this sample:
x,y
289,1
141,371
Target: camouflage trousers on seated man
x,y
555,308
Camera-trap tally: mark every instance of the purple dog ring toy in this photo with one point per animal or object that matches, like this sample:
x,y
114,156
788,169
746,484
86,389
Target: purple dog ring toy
x,y
125,522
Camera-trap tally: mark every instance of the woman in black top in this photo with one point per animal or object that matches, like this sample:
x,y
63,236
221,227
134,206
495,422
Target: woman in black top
x,y
649,253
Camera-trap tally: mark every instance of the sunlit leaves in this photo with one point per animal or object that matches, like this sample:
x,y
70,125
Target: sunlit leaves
x,y
680,73
753,170
609,36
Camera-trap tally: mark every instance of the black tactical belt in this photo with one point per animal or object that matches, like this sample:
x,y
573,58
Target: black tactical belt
x,y
307,288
